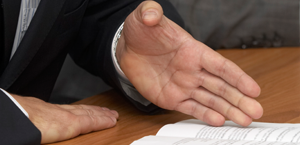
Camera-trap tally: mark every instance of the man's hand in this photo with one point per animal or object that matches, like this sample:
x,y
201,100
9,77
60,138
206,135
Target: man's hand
x,y
176,72
62,122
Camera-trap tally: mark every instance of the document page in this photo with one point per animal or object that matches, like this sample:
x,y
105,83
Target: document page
x,y
159,140
265,132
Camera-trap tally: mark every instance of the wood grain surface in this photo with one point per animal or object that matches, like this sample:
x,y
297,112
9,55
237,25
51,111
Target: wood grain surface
x,y
276,70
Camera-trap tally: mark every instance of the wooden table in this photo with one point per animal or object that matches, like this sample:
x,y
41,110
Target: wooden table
x,y
277,71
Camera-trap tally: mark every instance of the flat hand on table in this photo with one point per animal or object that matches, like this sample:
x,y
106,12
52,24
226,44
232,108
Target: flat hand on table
x,y
176,72
61,122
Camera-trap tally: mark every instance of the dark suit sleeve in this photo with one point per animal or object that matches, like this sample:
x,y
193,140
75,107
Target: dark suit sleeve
x,y
16,128
92,49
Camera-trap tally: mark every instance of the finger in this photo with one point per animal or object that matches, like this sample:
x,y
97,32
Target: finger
x,y
219,87
91,123
193,108
222,106
150,13
218,65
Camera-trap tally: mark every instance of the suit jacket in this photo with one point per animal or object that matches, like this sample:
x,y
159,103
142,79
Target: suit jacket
x,y
83,28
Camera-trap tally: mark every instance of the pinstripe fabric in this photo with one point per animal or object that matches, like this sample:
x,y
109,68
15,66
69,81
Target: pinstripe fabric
x,y
27,11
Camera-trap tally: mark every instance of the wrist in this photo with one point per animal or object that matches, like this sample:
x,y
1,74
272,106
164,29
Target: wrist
x,y
17,98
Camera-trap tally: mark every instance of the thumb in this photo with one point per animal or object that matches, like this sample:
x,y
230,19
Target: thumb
x,y
149,13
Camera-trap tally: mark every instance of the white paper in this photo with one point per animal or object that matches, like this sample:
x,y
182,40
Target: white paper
x,y
272,132
159,140
191,132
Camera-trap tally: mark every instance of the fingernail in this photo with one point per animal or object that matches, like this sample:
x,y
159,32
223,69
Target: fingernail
x,y
150,14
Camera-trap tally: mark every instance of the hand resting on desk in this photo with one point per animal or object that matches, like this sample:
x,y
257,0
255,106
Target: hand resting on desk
x,y
176,72
62,122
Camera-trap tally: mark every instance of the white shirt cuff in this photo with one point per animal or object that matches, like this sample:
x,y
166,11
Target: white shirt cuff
x,y
125,83
16,102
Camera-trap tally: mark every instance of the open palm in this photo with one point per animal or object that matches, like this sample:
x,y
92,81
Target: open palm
x,y
174,71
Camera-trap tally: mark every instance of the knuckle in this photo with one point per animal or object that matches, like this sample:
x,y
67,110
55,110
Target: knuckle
x,y
211,102
239,79
239,101
79,106
228,112
193,109
222,68
223,89
193,94
201,79
104,108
